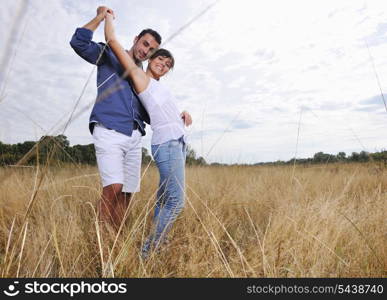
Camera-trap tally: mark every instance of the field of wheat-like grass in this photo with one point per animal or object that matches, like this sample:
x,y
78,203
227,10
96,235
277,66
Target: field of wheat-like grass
x,y
238,221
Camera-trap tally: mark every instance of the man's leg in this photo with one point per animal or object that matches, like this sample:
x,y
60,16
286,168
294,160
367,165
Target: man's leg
x,y
132,173
110,152
119,164
121,207
107,207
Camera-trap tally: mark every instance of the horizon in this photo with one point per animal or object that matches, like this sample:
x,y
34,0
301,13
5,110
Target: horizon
x,y
291,160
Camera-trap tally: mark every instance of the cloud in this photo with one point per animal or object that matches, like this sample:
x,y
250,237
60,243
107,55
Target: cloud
x,y
241,124
373,104
373,101
379,36
244,72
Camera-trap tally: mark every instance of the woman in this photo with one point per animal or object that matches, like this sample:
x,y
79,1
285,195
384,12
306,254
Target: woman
x,y
168,142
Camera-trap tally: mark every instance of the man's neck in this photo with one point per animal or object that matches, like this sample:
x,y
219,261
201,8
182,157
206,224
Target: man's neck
x,y
136,61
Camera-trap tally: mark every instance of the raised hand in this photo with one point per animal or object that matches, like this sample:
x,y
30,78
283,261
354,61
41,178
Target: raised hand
x,y
109,16
103,10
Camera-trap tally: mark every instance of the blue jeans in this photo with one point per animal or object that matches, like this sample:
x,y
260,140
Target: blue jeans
x,y
170,160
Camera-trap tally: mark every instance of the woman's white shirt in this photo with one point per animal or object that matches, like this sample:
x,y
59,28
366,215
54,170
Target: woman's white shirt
x,y
166,122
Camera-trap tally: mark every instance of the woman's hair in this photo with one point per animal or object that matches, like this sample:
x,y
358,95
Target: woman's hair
x,y
164,53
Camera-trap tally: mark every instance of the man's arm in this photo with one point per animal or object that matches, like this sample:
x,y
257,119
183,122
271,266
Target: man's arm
x,y
82,42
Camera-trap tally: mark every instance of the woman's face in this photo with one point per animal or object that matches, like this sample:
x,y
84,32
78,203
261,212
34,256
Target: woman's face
x,y
160,65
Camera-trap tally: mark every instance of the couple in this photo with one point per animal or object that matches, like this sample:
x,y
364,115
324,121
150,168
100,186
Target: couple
x,y
127,98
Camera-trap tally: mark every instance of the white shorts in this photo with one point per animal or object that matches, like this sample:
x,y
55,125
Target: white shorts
x,y
118,157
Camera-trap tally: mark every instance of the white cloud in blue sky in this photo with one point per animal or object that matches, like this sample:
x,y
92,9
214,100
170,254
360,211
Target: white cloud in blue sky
x,y
245,70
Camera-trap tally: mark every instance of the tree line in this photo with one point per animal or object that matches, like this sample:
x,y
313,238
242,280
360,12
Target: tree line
x,y
324,158
57,149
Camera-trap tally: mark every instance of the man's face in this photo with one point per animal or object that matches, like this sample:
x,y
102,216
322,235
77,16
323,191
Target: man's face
x,y
144,47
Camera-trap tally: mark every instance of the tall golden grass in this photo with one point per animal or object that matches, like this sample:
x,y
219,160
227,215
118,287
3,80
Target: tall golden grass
x,y
316,221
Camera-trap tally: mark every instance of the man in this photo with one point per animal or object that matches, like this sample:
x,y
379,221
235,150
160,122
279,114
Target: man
x,y
117,119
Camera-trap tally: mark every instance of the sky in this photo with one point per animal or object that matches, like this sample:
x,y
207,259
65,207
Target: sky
x,y
263,80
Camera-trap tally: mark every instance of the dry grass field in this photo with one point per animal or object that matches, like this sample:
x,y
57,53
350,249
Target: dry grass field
x,y
316,221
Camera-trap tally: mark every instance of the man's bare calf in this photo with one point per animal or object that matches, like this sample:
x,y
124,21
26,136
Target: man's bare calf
x,y
113,205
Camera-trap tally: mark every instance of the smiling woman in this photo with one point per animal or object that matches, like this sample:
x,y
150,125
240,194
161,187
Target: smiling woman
x,y
161,62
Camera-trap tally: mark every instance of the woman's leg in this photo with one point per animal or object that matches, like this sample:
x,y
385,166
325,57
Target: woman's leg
x,y
160,198
170,161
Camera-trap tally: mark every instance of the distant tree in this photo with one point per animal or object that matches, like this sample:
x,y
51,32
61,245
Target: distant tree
x,y
364,156
191,156
8,159
192,160
379,156
341,156
321,157
62,141
89,154
76,153
23,148
354,157
53,148
201,161
83,154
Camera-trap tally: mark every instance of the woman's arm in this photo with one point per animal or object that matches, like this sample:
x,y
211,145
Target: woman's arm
x,y
186,118
137,75
101,13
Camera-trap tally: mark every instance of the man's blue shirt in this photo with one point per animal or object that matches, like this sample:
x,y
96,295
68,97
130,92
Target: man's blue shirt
x,y
117,105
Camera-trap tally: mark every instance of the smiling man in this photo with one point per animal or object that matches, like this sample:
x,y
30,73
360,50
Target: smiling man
x,y
117,121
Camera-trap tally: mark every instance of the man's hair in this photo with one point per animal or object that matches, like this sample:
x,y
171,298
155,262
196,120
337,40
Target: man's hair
x,y
152,32
165,53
